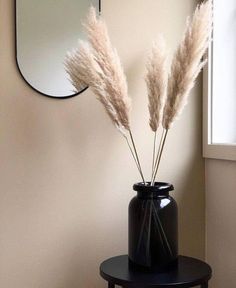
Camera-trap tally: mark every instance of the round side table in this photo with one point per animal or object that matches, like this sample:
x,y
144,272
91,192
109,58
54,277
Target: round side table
x,y
189,272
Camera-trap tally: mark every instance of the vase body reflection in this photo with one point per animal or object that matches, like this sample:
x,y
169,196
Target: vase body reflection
x,y
153,227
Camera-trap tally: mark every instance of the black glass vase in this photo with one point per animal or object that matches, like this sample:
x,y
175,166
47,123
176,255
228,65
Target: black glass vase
x,y
153,227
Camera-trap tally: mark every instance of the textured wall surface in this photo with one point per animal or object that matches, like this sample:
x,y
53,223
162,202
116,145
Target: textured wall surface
x,y
221,221
66,175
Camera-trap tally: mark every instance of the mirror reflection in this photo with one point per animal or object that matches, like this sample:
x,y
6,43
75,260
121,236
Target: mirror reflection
x,y
45,31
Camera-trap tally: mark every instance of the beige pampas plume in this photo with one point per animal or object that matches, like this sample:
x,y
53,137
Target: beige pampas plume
x,y
97,64
84,70
156,80
76,74
187,62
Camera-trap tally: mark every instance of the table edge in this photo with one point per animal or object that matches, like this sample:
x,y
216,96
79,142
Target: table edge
x,y
123,283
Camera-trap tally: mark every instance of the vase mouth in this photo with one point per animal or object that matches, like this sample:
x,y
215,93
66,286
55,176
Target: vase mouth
x,y
159,187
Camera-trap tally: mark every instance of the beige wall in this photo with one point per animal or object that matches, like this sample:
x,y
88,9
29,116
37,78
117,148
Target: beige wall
x,y
66,174
221,221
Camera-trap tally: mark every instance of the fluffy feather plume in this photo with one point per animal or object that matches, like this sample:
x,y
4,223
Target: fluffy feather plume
x,y
156,80
187,62
97,65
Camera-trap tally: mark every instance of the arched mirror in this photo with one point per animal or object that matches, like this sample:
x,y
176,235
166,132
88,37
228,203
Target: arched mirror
x,y
45,31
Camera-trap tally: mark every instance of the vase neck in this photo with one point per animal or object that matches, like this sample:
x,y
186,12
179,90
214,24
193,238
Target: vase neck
x,y
160,189
151,195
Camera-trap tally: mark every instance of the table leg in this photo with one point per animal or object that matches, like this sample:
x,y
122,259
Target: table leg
x,y
111,285
205,285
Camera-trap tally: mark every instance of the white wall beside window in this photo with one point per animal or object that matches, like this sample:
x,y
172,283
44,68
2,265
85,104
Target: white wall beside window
x,y
220,85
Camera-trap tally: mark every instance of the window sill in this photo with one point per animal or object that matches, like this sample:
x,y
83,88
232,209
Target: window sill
x,y
220,151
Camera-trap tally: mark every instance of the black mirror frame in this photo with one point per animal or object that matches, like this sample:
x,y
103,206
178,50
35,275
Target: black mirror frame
x,y
18,67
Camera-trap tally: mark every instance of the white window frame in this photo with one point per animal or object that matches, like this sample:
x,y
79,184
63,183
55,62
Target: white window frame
x,y
210,149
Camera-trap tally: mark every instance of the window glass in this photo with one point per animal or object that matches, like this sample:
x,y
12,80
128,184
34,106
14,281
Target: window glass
x,y
224,73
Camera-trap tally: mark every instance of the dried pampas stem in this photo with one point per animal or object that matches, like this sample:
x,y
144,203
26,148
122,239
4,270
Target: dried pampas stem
x,y
154,151
96,64
159,155
156,80
187,63
133,154
136,153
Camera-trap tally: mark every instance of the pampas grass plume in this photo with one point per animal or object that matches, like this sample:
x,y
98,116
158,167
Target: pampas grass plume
x,y
187,62
156,80
97,64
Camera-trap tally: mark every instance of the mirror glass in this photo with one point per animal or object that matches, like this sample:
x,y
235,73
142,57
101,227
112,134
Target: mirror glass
x,y
45,31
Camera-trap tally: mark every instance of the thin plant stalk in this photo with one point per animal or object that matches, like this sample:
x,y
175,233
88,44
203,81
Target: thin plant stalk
x,y
162,229
133,155
149,232
159,158
158,153
154,152
158,228
142,227
136,153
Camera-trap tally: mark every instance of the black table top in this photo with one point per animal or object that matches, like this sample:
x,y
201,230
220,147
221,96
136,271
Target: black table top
x,y
189,272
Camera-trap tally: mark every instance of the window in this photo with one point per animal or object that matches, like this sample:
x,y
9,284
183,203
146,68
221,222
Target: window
x,y
220,85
